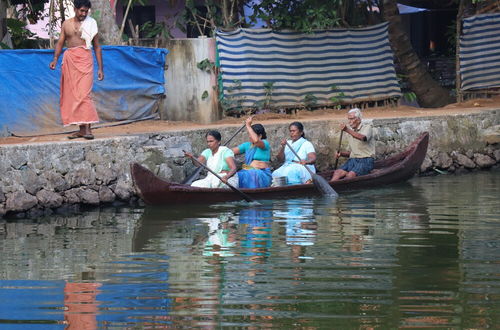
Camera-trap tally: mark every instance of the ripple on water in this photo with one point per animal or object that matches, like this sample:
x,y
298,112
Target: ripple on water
x,y
419,254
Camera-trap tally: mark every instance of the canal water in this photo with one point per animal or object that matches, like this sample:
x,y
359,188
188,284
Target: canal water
x,y
425,253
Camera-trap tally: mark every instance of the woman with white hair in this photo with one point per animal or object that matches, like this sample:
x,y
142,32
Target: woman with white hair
x,y
361,145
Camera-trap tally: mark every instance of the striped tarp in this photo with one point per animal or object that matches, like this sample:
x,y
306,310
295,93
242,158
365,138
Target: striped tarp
x,y
356,62
480,52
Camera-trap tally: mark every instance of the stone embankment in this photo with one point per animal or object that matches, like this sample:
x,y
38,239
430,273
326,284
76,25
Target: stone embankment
x,y
41,178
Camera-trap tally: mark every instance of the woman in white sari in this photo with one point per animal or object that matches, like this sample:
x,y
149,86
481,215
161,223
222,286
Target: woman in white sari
x,y
293,168
219,159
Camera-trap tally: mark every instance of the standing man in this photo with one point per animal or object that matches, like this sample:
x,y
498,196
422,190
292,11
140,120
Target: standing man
x,y
79,33
361,144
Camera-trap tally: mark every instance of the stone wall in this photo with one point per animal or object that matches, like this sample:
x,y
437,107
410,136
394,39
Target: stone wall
x,y
45,177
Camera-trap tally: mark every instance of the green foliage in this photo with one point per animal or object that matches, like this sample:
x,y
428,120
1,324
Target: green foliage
x,y
21,36
299,15
209,67
33,10
4,46
206,65
310,101
317,18
402,80
410,96
152,30
337,98
267,102
231,102
206,16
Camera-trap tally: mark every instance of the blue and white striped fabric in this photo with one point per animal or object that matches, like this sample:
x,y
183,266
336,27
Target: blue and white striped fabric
x,y
480,52
358,62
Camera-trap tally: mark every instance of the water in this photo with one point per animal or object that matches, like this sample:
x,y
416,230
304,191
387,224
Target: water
x,y
421,254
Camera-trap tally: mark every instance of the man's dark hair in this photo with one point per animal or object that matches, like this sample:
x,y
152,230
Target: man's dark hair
x,y
82,3
216,135
259,130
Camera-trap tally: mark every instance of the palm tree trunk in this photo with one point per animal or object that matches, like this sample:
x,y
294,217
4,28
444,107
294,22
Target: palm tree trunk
x,y
3,18
108,29
429,93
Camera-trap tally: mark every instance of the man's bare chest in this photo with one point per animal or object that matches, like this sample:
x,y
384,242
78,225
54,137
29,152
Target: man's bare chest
x,y
73,35
73,29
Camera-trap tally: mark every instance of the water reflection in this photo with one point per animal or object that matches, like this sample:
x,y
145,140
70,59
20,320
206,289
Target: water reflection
x,y
420,254
80,306
82,272
256,238
62,245
300,227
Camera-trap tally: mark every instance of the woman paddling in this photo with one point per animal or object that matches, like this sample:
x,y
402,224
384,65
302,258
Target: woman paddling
x,y
293,168
219,159
256,171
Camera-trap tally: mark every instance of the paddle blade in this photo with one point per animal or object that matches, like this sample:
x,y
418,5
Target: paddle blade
x,y
323,186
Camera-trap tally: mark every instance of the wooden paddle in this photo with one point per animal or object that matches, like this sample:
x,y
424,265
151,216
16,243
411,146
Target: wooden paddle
x,y
338,150
233,188
194,176
319,182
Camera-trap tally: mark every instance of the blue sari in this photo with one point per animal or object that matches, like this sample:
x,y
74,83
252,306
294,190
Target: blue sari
x,y
250,177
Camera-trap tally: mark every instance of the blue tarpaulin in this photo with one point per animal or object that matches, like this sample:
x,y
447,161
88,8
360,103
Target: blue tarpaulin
x,y
29,90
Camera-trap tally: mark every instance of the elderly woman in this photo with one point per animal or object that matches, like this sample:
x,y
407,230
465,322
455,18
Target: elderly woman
x,y
219,159
255,172
293,168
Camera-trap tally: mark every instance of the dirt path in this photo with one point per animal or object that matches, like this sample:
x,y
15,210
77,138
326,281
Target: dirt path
x,y
152,126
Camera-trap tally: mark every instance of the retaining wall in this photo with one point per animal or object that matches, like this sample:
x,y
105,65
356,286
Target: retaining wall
x,y
41,178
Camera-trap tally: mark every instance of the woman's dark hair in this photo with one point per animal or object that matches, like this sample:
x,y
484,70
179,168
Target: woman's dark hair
x,y
259,130
299,126
215,134
82,3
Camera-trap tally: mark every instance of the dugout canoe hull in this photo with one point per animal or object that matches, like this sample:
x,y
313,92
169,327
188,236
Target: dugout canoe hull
x,y
156,191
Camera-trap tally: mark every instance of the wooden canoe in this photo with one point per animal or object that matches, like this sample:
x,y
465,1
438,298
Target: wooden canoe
x,y
400,167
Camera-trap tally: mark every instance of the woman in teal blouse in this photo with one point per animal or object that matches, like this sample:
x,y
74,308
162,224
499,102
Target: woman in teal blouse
x,y
256,172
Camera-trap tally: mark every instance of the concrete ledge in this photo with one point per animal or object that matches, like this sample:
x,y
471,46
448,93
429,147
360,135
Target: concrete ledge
x,y
39,178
